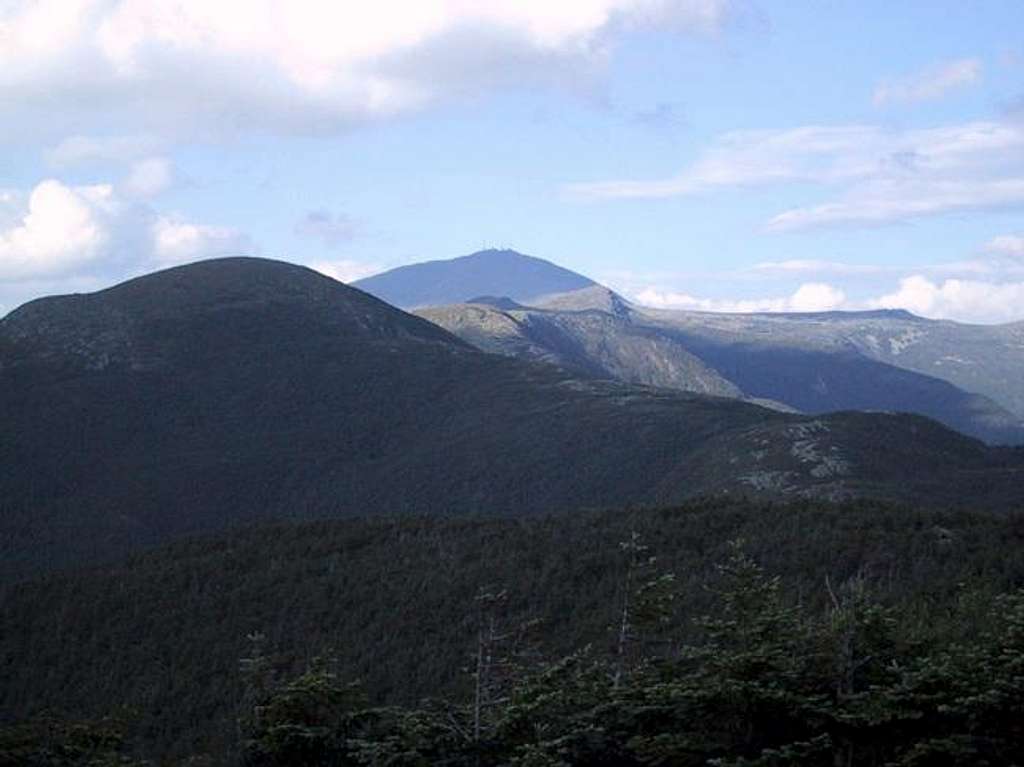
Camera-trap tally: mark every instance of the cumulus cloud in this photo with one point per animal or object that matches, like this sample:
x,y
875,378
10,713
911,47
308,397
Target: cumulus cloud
x,y
964,300
299,65
982,290
61,229
809,297
71,232
882,176
332,229
929,84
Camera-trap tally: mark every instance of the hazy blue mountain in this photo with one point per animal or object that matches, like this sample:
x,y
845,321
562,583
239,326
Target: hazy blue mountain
x,y
985,360
967,377
237,390
485,273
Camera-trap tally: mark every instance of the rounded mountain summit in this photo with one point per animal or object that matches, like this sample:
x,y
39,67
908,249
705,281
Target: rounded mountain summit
x,y
506,273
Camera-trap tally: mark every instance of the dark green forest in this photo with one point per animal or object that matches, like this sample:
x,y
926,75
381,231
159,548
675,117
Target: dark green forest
x,y
720,632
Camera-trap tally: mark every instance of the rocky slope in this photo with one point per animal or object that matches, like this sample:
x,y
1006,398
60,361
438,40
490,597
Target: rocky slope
x,y
967,377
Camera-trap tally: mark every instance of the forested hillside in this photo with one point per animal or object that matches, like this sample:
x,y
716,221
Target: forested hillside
x,y
240,390
398,605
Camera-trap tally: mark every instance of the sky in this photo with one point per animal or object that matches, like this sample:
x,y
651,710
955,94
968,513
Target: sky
x,y
723,155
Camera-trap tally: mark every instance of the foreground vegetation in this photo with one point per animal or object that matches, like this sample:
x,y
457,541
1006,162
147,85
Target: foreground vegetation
x,y
839,635
765,685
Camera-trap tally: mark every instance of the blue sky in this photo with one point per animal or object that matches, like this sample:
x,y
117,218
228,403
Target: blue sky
x,y
708,154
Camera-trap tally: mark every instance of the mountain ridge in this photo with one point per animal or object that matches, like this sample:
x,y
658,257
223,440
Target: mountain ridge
x,y
890,360
246,400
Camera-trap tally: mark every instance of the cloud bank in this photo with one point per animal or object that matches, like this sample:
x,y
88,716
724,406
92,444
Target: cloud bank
x,y
971,300
988,288
307,66
809,297
980,301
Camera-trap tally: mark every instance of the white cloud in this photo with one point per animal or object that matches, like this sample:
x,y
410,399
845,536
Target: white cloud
x,y
298,65
963,300
809,297
1007,245
881,176
884,202
816,297
832,155
929,84
61,229
987,288
176,241
63,232
147,178
752,158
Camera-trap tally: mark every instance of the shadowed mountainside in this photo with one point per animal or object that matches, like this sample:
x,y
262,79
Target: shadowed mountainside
x,y
237,390
812,363
984,359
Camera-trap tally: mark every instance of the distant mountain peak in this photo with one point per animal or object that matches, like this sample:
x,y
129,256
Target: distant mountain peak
x,y
595,297
492,272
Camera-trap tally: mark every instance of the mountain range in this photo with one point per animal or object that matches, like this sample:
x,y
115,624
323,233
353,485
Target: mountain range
x,y
965,376
238,390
